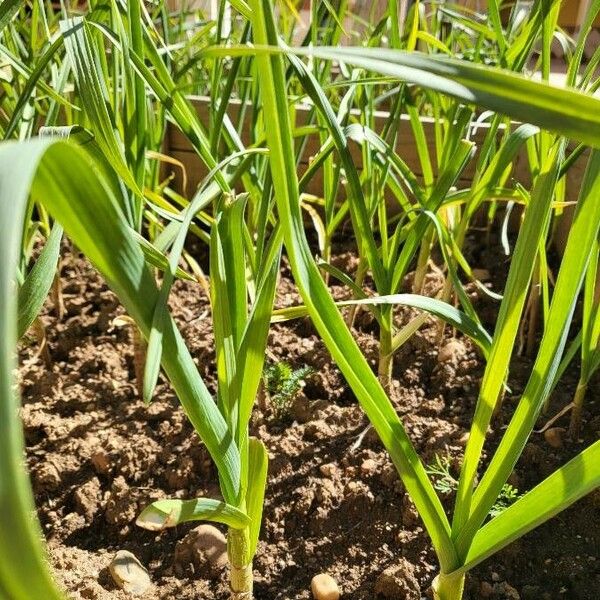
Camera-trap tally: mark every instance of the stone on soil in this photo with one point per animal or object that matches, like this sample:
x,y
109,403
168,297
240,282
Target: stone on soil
x,y
554,436
451,351
129,573
324,587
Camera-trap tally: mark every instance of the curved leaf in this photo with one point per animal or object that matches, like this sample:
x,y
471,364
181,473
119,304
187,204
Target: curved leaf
x,y
163,514
323,311
23,569
438,308
90,214
563,110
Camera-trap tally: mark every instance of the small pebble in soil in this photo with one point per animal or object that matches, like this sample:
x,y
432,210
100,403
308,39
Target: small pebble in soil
x,y
129,573
328,470
554,436
324,587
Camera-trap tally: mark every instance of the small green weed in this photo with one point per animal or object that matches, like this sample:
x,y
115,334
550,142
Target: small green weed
x,y
445,483
282,383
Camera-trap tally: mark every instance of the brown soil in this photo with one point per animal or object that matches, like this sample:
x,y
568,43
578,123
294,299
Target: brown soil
x,y
97,455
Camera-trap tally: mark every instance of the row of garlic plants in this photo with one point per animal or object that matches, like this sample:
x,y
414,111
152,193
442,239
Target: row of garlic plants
x,y
99,84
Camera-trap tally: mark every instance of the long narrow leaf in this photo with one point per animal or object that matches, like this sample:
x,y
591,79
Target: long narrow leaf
x,y
23,569
507,326
67,184
258,462
582,238
568,484
8,9
450,315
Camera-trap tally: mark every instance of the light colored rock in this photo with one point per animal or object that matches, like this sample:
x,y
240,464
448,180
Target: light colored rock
x,y
212,544
324,587
328,470
554,436
129,573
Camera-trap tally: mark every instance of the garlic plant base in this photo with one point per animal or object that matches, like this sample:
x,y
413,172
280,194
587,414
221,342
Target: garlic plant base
x,y
448,587
241,583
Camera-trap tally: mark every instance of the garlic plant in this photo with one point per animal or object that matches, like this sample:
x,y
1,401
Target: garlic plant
x,y
464,541
108,79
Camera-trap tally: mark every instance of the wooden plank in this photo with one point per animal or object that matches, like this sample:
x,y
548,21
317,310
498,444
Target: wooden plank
x,y
405,146
177,146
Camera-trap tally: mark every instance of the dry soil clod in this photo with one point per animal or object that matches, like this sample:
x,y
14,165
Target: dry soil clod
x,y
451,352
204,547
398,582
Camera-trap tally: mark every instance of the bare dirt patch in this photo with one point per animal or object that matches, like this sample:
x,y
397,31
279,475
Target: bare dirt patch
x,y
97,455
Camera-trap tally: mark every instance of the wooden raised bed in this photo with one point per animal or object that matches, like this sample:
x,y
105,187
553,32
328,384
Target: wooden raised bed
x,y
178,147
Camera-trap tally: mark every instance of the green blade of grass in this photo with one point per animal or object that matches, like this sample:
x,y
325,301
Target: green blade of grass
x,y
94,94
137,106
448,313
507,326
342,277
493,175
229,299
582,36
251,354
258,463
160,314
8,9
24,567
67,184
358,206
421,224
23,70
571,113
32,81
156,258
